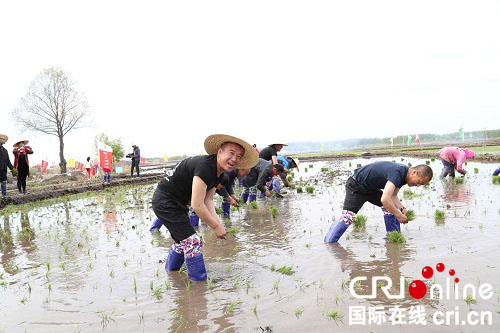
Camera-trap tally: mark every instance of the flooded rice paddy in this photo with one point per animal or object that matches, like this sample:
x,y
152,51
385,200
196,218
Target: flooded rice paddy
x,y
89,263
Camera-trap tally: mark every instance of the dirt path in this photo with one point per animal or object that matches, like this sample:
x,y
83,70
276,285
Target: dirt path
x,y
49,191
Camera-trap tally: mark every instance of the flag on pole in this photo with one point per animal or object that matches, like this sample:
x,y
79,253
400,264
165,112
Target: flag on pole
x,y
409,140
106,158
71,162
143,160
45,164
165,158
417,140
322,147
80,166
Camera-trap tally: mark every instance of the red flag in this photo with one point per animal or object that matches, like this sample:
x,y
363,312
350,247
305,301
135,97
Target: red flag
x,y
45,164
417,140
143,160
106,158
80,166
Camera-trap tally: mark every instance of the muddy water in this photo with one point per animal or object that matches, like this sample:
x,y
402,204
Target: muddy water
x,y
71,266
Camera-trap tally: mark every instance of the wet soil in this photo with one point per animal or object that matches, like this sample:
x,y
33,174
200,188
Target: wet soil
x,y
89,263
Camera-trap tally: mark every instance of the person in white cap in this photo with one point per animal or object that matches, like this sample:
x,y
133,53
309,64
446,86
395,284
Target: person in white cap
x,y
194,181
4,164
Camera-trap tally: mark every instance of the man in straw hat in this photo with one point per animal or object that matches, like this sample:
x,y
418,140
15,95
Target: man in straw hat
x,y
22,164
4,164
194,181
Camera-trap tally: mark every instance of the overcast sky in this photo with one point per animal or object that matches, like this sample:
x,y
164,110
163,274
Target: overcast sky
x,y
165,74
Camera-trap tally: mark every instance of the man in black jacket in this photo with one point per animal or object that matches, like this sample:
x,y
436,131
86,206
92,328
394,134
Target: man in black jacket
x,y
136,159
258,177
4,164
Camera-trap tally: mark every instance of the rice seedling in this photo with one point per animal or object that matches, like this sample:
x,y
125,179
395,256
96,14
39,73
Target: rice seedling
x,y
439,215
409,194
299,189
305,169
232,230
324,169
433,159
210,282
396,237
359,222
343,284
335,315
276,284
470,300
167,285
496,180
298,312
427,162
309,189
247,283
273,210
218,210
105,318
135,286
254,310
233,305
476,170
141,318
151,286
272,268
188,284
254,205
410,214
286,270
459,180
236,282
358,165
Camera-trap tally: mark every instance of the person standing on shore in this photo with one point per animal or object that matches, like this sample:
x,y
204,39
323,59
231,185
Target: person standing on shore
x,y
453,158
21,163
88,167
379,184
4,164
194,182
136,159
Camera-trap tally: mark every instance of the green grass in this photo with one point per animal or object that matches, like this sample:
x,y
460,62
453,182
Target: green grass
x,y
309,189
410,215
273,210
359,222
286,270
459,180
439,215
496,180
396,237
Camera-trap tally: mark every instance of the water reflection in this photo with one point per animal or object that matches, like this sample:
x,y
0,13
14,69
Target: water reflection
x,y
396,255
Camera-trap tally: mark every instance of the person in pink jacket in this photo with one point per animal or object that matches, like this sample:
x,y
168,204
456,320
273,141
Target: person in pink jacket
x,y
453,158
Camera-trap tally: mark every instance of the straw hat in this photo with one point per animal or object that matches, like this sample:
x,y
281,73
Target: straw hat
x,y
3,138
215,141
279,142
295,161
18,142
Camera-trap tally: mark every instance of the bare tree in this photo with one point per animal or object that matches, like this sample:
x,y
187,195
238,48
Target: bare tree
x,y
52,106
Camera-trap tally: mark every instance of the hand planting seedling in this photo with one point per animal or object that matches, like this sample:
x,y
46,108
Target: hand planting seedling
x,y
232,230
359,222
396,237
410,215
459,180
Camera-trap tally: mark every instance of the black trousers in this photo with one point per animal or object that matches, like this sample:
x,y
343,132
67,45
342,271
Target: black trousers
x,y
135,164
3,175
173,215
356,195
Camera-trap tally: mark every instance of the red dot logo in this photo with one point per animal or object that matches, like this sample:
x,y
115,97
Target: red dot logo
x,y
417,289
440,267
452,272
456,280
427,272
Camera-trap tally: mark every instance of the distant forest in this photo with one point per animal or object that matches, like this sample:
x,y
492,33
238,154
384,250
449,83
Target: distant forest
x,y
306,147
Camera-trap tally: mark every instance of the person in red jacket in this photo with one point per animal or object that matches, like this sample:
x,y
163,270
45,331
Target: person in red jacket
x,y
21,163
